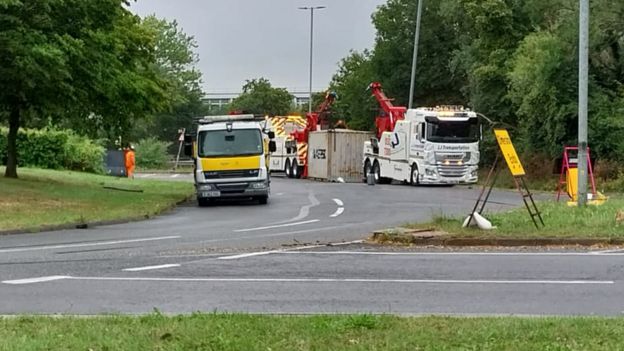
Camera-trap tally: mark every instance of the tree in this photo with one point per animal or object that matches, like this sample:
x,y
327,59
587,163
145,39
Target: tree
x,y
84,61
175,63
259,97
437,80
354,105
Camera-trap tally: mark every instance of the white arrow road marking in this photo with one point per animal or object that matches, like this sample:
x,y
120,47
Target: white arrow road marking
x,y
305,210
95,243
147,268
276,226
340,209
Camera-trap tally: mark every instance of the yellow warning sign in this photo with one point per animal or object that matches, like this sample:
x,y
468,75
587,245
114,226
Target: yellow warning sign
x,y
509,152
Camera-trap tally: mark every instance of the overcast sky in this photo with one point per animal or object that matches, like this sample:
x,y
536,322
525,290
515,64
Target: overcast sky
x,y
244,39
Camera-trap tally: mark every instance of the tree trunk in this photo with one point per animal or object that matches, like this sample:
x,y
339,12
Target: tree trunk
x,y
14,122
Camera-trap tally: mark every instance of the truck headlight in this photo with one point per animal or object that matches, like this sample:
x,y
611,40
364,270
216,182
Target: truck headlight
x,y
430,172
258,185
204,187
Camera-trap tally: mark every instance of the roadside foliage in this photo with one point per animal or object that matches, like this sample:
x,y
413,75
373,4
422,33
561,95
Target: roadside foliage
x,y
515,61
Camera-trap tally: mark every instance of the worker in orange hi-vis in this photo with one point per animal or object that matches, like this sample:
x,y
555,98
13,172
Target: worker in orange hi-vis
x,y
130,161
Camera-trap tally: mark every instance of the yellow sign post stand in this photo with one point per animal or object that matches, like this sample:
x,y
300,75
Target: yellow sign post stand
x,y
517,171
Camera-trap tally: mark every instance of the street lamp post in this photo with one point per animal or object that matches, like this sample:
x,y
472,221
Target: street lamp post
x,y
415,57
583,92
311,46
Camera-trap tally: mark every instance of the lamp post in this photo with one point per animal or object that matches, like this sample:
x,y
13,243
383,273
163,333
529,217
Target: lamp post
x,y
415,57
583,92
312,8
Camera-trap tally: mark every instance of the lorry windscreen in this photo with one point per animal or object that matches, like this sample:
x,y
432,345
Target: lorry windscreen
x,y
238,142
453,131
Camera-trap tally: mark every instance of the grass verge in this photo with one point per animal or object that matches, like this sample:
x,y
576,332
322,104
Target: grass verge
x,y
561,221
44,198
346,332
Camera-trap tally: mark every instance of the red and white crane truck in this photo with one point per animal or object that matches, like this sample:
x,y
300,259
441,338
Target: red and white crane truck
x,y
292,136
438,145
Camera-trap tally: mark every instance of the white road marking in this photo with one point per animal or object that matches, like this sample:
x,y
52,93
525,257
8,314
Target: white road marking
x,y
338,212
279,194
319,280
147,268
305,210
35,280
276,226
455,253
96,243
263,253
608,252
175,175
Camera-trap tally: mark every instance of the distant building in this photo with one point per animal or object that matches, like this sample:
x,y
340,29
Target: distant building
x,y
217,101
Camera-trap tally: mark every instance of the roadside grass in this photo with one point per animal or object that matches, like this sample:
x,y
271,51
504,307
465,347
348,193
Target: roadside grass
x,y
43,198
561,221
339,332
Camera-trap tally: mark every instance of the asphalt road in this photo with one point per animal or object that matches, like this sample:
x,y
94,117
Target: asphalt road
x,y
243,257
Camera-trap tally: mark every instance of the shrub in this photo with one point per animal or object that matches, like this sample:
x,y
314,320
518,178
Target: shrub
x,y
152,153
54,149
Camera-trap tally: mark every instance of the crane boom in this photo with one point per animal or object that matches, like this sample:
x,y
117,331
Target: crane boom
x,y
389,114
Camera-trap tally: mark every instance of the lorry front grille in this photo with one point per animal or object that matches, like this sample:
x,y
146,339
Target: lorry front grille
x,y
232,188
239,173
452,171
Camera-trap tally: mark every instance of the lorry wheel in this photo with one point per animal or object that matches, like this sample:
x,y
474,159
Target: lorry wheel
x,y
295,170
287,169
367,169
414,175
263,200
376,172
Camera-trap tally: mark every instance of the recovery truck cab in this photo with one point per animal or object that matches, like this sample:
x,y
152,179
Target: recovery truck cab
x,y
290,156
423,146
231,156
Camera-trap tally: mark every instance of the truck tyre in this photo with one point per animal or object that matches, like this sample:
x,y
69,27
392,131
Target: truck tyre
x,y
263,200
367,169
414,175
287,169
377,172
295,170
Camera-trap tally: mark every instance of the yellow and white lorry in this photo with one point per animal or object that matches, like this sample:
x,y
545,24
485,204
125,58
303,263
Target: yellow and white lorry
x,y
231,156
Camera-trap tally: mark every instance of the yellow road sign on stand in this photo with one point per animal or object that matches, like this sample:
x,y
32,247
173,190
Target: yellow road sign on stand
x,y
509,152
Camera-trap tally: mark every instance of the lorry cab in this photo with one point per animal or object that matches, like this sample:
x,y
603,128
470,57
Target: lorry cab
x,y
231,156
429,146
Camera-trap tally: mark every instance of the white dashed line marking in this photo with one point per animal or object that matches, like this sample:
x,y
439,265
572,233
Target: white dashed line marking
x,y
96,243
276,226
147,268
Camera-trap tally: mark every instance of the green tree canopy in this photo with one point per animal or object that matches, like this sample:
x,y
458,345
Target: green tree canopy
x,y
86,61
175,63
259,97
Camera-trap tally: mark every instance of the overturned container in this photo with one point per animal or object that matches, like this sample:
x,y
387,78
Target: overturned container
x,y
335,154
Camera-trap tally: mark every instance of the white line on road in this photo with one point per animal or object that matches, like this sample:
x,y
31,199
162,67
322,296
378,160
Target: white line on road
x,y
338,212
305,210
608,252
95,243
263,253
36,280
340,209
276,226
592,253
147,268
175,175
316,280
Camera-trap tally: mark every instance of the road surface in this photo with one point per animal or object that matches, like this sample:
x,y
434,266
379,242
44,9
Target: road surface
x,y
243,257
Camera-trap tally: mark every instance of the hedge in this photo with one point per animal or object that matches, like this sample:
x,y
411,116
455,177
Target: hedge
x,y
54,149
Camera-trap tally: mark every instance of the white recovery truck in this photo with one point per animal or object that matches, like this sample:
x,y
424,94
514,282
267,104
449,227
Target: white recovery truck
x,y
424,145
